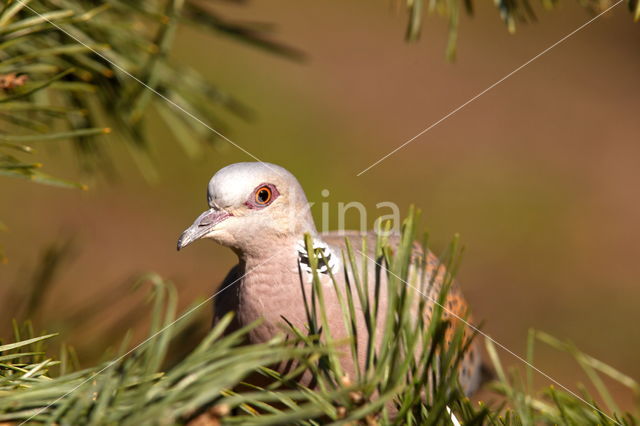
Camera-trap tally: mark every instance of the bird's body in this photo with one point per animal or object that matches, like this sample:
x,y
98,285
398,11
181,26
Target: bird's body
x,y
272,279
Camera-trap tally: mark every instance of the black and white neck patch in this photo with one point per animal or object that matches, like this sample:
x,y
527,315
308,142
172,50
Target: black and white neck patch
x,y
327,259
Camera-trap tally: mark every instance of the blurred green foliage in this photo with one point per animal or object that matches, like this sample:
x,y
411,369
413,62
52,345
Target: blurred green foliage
x,y
74,70
511,12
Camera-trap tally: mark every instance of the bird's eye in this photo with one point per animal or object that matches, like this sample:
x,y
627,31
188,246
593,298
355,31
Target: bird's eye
x,y
263,195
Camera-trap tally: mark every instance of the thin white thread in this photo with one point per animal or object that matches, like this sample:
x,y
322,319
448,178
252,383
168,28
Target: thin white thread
x,y
454,419
486,336
114,362
489,88
145,85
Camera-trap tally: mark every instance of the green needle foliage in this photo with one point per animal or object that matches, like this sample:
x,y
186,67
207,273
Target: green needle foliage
x,y
75,69
410,378
511,12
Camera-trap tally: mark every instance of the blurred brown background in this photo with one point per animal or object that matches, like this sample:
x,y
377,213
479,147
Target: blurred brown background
x,y
540,176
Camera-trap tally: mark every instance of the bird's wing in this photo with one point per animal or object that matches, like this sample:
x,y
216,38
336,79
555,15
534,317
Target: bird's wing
x,y
455,309
432,265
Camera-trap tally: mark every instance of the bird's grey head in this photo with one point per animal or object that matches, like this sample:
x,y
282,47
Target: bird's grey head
x,y
252,205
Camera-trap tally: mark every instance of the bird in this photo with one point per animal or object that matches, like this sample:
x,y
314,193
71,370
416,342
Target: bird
x,y
260,211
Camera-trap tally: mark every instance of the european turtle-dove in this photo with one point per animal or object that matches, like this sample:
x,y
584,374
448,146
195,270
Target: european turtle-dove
x,y
260,211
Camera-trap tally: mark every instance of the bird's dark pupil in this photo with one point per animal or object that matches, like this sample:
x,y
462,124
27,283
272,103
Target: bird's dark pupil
x,y
263,195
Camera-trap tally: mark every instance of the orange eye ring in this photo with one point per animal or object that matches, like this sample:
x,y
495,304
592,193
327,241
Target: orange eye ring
x,y
263,195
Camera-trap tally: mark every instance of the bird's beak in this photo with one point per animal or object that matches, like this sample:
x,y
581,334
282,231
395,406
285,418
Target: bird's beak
x,y
204,224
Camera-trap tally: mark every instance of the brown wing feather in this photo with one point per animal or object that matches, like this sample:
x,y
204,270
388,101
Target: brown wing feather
x,y
455,308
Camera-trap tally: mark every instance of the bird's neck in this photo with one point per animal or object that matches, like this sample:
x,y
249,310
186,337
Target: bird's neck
x,y
280,249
